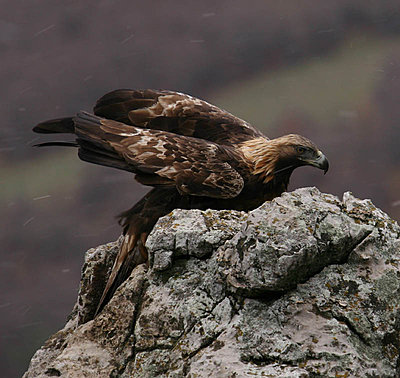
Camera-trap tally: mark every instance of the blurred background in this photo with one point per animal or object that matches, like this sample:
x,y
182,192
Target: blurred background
x,y
329,70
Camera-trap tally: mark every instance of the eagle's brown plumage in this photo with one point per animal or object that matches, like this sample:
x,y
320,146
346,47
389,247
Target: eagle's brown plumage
x,y
194,154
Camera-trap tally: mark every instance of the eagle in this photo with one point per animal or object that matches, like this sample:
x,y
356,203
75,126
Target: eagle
x,y
194,155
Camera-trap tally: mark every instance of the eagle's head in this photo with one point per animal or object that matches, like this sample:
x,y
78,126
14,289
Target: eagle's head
x,y
279,157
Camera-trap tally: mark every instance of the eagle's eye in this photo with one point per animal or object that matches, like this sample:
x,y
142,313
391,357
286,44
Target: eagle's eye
x,y
301,150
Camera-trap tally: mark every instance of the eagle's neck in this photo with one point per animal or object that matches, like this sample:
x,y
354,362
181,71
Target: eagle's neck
x,y
263,158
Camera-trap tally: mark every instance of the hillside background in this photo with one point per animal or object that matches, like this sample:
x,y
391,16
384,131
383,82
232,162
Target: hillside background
x,y
328,70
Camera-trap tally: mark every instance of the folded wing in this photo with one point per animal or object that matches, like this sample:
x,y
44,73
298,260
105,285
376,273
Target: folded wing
x,y
196,167
174,112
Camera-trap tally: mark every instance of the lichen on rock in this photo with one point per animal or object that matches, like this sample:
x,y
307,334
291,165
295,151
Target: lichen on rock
x,y
303,285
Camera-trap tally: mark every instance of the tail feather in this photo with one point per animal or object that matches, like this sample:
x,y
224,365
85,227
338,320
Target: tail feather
x,y
129,255
137,223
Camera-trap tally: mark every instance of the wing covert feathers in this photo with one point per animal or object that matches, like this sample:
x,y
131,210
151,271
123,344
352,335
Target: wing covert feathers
x,y
196,167
174,112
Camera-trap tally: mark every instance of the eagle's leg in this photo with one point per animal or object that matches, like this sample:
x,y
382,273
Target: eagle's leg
x,y
137,223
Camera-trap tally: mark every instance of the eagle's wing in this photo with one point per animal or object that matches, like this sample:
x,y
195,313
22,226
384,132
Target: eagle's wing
x,y
174,112
195,166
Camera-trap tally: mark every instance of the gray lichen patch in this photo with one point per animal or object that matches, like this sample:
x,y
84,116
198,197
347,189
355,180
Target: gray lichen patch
x,y
288,240
185,233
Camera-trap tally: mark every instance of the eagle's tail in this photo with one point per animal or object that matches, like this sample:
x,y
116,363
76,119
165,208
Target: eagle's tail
x,y
137,223
131,253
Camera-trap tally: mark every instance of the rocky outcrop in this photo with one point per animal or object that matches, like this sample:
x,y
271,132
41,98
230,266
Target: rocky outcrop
x,y
305,285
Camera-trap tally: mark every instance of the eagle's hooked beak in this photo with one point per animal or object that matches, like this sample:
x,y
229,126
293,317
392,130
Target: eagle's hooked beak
x,y
320,162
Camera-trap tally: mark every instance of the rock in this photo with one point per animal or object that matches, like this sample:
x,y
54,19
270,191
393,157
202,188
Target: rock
x,y
305,285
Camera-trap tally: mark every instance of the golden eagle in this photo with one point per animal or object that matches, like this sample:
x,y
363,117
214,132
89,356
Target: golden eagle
x,y
193,154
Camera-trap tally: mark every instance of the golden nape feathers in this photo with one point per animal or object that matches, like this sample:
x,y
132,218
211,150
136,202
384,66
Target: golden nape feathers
x,y
268,158
193,154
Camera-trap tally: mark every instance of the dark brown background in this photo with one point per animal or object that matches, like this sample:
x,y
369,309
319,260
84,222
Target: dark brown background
x,y
329,70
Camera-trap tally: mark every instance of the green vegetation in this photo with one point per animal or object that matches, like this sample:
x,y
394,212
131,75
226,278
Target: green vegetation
x,y
50,173
322,87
